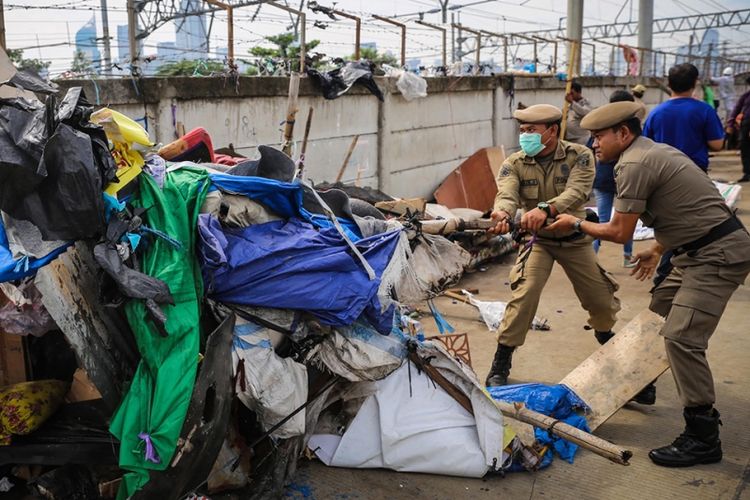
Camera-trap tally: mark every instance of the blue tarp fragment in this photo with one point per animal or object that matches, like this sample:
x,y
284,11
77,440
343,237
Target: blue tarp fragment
x,y
292,265
557,401
15,269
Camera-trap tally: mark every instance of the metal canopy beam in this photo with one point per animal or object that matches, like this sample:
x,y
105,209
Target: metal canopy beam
x,y
153,14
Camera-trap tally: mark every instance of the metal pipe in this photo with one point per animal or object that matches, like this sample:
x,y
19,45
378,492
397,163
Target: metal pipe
x,y
478,34
444,32
302,31
574,31
107,47
357,20
132,32
230,27
645,30
403,35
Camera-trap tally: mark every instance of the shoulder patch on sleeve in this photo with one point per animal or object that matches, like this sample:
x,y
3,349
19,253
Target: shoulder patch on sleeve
x,y
584,160
505,170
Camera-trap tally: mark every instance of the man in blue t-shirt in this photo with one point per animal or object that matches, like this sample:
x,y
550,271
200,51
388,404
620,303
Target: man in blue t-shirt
x,y
685,123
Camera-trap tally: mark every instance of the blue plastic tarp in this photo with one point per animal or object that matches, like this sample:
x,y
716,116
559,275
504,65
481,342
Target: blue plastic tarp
x,y
557,401
292,265
282,198
15,269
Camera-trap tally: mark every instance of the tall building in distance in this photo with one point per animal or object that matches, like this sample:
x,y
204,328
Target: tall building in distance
x,y
192,37
86,43
123,44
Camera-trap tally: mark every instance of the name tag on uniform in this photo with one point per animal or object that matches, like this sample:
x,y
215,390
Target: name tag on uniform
x,y
529,182
561,180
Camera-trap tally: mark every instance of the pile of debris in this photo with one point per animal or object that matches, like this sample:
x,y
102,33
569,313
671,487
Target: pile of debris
x,y
192,321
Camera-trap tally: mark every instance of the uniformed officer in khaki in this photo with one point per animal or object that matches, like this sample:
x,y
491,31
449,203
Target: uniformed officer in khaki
x,y
547,177
665,189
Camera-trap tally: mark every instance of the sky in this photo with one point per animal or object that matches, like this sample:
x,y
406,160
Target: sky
x,y
46,28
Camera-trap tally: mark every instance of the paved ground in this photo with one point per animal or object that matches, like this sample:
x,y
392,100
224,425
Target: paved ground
x,y
548,357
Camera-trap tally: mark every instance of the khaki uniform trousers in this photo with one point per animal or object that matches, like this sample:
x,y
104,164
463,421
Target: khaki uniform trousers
x,y
594,287
692,299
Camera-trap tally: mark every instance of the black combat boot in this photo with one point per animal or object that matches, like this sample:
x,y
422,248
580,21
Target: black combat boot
x,y
648,395
699,444
500,366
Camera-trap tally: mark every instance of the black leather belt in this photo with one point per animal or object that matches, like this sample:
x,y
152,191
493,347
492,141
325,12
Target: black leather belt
x,y
729,226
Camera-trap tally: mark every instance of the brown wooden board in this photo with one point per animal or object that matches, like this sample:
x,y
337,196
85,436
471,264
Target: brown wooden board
x,y
619,369
12,359
471,185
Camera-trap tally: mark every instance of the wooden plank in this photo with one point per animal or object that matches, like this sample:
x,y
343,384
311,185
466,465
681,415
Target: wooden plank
x,y
12,359
69,292
619,369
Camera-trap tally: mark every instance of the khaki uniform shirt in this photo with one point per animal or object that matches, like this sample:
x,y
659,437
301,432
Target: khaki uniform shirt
x,y
565,182
573,131
669,191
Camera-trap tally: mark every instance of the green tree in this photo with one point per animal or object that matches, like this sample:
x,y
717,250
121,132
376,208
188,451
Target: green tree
x,y
376,57
23,64
190,67
82,65
285,47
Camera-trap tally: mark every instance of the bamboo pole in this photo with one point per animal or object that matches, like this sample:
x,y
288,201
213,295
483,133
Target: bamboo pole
x,y
583,439
347,157
303,152
291,113
519,412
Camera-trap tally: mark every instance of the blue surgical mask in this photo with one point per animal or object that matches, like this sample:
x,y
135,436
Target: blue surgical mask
x,y
531,143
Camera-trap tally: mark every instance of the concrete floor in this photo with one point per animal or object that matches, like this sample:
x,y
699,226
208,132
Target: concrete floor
x,y
548,357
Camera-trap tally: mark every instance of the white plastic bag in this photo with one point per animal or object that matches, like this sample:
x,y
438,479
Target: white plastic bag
x,y
492,313
411,85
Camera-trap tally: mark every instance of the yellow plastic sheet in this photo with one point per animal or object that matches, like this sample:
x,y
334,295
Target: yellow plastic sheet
x,y
123,132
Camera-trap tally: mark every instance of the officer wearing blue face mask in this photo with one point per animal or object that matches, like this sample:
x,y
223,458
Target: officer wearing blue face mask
x,y
547,177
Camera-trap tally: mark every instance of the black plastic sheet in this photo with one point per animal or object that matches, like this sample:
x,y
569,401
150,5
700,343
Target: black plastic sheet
x,y
338,81
54,165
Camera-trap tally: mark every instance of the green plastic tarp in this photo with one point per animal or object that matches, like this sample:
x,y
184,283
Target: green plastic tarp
x,y
157,401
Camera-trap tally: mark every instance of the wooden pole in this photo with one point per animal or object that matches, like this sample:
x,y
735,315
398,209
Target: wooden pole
x,y
571,63
519,412
308,123
301,161
291,113
347,157
583,439
2,26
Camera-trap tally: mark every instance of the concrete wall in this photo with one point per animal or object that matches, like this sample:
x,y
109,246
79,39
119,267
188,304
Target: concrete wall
x,y
404,148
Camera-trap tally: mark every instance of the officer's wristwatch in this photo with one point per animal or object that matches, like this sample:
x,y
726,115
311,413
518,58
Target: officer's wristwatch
x,y
577,225
543,205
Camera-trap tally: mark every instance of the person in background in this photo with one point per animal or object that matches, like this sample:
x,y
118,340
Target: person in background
x,y
739,119
605,189
727,97
638,92
579,107
687,124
